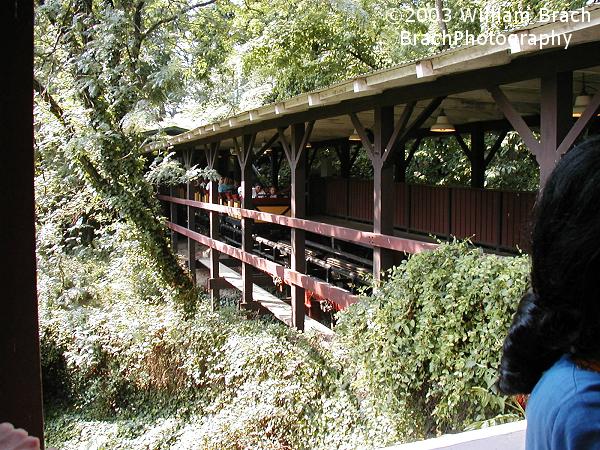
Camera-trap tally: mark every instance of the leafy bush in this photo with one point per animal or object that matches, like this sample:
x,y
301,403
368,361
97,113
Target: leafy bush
x,y
426,347
127,369
167,171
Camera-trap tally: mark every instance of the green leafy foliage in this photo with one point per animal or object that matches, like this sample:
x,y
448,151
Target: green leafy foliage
x,y
125,368
167,171
103,71
427,345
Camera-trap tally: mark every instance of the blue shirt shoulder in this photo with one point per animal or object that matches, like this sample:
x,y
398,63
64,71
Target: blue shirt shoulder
x,y
563,411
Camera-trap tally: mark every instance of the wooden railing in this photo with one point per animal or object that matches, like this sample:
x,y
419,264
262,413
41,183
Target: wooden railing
x,y
339,296
497,219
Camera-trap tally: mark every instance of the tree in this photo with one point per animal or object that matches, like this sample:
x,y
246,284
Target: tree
x,y
103,66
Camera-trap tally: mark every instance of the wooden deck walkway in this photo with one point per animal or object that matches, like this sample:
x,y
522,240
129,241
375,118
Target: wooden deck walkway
x,y
280,309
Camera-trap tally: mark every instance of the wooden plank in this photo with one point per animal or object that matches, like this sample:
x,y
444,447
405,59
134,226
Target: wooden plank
x,y
342,233
277,307
337,295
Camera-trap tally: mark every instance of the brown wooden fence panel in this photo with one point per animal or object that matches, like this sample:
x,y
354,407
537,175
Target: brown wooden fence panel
x,y
429,209
474,214
516,217
360,206
400,217
336,194
493,218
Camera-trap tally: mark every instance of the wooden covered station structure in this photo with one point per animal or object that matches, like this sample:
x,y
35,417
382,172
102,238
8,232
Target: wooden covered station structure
x,y
467,92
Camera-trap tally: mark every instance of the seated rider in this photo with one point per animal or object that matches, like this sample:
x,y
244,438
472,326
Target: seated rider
x,y
260,193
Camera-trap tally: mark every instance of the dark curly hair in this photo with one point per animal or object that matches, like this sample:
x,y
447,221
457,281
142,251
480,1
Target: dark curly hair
x,y
561,313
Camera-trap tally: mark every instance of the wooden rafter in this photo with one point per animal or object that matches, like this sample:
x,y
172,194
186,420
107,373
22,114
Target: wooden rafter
x,y
495,147
305,138
212,150
294,154
188,158
407,131
245,153
519,124
579,126
362,133
267,145
413,149
463,145
515,119
399,129
284,144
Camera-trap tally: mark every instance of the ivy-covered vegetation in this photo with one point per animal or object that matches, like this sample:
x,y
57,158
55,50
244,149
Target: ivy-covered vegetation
x,y
427,344
124,368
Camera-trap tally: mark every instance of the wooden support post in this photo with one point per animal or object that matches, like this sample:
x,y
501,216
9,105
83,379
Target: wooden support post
x,y
298,237
557,131
343,151
20,376
246,159
404,158
388,139
383,188
556,108
173,217
273,158
476,153
212,156
297,161
188,157
191,223
400,164
214,234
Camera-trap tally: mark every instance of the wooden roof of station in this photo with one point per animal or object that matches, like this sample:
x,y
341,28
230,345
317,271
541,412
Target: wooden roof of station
x,y
461,75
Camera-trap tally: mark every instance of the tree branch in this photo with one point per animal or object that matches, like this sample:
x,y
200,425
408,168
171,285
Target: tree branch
x,y
173,17
59,113
363,60
55,108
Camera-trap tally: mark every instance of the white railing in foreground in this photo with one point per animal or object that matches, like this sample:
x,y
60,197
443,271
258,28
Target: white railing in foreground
x,y
510,436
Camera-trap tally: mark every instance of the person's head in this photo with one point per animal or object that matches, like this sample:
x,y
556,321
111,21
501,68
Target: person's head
x,y
561,313
258,188
272,190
